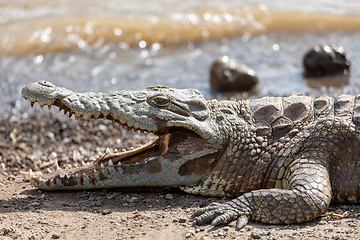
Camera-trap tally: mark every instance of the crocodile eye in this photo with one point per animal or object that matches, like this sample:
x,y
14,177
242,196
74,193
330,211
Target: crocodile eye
x,y
161,101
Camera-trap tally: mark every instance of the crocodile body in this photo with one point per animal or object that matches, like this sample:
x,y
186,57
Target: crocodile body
x,y
282,159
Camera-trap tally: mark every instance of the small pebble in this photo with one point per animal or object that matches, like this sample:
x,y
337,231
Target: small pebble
x,y
133,199
150,201
11,177
55,236
188,235
35,204
106,212
255,236
169,196
339,211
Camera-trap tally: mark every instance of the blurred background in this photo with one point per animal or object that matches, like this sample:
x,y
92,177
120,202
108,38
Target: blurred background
x,y
89,45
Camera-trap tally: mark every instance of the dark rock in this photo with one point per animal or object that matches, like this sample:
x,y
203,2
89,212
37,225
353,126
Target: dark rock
x,y
182,220
228,75
55,236
255,236
326,60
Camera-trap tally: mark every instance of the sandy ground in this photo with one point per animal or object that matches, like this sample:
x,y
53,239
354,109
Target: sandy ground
x,y
27,213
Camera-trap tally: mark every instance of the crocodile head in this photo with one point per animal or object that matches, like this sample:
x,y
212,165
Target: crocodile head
x,y
186,146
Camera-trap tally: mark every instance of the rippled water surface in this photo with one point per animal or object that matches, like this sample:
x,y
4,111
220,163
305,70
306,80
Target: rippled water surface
x,y
92,46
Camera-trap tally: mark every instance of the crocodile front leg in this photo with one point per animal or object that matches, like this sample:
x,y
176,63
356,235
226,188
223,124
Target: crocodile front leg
x,y
308,196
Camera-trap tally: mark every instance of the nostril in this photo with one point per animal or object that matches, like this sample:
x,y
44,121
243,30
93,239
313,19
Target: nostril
x,y
46,84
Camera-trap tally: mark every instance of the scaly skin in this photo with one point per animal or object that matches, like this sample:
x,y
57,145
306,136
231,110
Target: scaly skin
x,y
282,159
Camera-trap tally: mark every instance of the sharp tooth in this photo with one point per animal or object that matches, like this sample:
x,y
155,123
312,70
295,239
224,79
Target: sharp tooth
x,y
119,164
84,174
40,173
31,173
60,109
83,163
100,154
92,158
102,165
76,175
57,164
85,122
131,148
49,107
116,151
49,170
64,166
95,171
75,165
69,166
111,163
107,150
124,150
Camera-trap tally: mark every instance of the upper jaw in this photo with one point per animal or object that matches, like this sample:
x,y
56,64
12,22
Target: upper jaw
x,y
128,108
133,109
123,107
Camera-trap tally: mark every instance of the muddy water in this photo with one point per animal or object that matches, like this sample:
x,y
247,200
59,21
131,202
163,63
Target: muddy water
x,y
92,46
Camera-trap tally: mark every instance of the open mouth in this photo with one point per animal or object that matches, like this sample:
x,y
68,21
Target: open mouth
x,y
118,161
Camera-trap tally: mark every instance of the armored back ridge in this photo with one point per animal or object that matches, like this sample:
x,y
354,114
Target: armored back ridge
x,y
283,159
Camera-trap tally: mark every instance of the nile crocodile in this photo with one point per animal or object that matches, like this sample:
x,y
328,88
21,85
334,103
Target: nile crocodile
x,y
282,159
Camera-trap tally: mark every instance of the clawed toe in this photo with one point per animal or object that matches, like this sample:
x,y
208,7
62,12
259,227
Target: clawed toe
x,y
219,214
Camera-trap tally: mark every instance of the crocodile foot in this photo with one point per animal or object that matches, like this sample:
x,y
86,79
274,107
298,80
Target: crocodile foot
x,y
218,213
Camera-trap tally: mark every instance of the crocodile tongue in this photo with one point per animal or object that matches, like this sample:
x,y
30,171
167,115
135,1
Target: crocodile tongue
x,y
155,147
